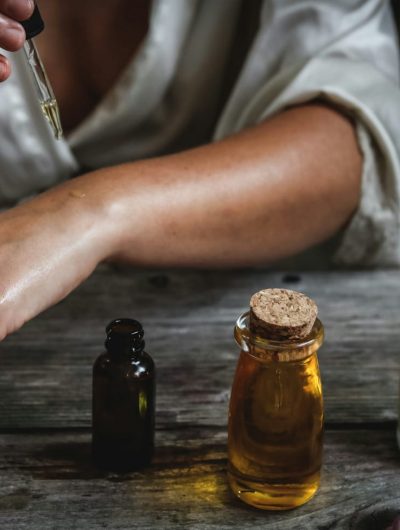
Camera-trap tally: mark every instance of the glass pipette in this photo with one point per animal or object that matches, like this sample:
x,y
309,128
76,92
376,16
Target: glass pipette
x,y
33,26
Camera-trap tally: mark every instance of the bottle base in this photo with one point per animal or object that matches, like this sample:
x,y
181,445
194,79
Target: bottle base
x,y
119,458
267,496
118,466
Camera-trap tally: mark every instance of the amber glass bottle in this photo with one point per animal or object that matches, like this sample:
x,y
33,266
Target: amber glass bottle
x,y
275,419
123,400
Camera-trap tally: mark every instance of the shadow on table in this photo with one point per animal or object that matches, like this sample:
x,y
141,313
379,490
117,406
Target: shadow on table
x,y
69,460
378,516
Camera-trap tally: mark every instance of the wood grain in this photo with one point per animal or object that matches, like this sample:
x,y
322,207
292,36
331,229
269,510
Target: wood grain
x,y
45,368
48,482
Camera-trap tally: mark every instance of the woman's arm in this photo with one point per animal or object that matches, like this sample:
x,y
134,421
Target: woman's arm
x,y
266,193
261,195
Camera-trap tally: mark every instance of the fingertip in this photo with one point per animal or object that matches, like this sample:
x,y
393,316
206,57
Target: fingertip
x,y
5,69
15,38
29,8
12,34
18,10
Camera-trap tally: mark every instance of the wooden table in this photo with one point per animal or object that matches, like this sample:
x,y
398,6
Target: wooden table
x,y
47,480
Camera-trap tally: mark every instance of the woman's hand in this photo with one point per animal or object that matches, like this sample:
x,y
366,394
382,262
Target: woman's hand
x,y
12,34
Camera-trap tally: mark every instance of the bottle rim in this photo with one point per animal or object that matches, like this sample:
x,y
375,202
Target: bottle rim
x,y
245,338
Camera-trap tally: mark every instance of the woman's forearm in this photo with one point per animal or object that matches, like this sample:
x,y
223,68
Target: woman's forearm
x,y
263,194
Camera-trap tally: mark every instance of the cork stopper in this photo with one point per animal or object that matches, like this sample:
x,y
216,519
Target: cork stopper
x,y
281,314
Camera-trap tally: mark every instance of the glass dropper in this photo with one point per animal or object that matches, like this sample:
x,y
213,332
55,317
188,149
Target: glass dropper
x,y
33,26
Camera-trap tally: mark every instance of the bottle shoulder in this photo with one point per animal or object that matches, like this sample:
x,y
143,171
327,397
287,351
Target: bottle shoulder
x,y
103,361
135,366
142,366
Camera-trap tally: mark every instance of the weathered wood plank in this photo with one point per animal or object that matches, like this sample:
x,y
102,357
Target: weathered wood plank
x,y
48,482
45,369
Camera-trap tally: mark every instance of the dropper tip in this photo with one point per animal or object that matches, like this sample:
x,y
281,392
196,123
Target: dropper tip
x,y
52,115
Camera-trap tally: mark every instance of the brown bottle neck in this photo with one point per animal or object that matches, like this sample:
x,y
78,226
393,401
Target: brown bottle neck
x,y
124,346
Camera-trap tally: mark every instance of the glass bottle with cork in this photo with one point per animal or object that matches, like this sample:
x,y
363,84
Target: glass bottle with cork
x,y
276,408
123,400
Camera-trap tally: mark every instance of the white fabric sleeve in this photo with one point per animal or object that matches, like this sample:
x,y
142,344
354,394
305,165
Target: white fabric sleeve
x,y
345,52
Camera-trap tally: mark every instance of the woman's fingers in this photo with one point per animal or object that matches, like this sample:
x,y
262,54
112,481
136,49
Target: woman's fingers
x,y
12,37
5,68
12,34
17,9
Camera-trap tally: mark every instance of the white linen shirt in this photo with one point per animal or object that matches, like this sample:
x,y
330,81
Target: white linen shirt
x,y
170,97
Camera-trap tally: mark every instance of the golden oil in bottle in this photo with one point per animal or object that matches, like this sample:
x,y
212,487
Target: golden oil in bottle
x,y
275,419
